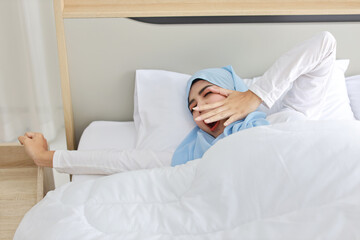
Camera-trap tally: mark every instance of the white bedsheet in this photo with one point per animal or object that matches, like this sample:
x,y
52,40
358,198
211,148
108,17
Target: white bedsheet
x,y
286,181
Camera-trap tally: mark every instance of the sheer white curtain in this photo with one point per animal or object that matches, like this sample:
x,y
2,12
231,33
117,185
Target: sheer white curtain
x,y
30,95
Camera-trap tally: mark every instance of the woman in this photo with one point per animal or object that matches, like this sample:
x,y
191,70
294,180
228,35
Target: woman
x,y
306,69
221,104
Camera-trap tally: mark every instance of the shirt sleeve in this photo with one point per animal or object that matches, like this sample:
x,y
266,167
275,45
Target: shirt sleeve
x,y
300,60
108,161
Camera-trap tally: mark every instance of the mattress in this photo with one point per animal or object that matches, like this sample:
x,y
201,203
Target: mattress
x,y
101,135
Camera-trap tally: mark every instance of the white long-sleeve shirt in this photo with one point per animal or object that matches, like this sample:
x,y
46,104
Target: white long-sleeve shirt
x,y
307,67
108,161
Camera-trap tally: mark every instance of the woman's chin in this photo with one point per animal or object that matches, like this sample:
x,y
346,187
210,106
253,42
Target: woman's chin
x,y
217,130
215,135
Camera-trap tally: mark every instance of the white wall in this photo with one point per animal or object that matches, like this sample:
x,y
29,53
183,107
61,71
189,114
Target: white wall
x,y
103,55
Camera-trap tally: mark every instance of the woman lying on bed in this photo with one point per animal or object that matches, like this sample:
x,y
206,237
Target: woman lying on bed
x,y
221,104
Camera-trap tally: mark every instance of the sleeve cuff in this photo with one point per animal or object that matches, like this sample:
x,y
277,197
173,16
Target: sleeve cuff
x,y
262,94
57,161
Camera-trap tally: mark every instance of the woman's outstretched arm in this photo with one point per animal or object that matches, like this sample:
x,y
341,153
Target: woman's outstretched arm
x,y
92,162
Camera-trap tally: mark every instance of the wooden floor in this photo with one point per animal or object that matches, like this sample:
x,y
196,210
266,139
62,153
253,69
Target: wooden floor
x,y
21,187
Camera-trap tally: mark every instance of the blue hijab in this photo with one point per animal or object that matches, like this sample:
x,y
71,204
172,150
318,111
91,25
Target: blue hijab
x,y
197,142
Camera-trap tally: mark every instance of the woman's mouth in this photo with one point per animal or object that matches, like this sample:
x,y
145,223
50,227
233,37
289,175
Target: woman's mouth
x,y
213,125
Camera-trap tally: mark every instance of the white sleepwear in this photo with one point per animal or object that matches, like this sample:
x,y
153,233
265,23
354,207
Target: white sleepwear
x,y
303,73
108,161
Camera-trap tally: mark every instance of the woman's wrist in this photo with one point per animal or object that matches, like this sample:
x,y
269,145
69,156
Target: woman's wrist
x,y
255,97
45,159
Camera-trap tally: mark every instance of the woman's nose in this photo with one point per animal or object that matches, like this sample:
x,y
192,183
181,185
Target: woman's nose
x,y
201,103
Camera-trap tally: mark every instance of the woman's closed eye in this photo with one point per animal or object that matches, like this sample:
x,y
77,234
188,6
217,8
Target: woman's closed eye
x,y
206,94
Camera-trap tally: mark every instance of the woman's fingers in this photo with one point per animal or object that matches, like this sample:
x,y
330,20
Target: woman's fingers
x,y
22,139
230,114
235,107
219,116
208,106
219,90
211,115
232,119
30,134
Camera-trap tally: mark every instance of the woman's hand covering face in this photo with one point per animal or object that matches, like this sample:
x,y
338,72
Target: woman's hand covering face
x,y
237,105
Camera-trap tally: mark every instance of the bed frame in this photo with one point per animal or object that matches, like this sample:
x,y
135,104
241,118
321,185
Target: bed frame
x,y
67,9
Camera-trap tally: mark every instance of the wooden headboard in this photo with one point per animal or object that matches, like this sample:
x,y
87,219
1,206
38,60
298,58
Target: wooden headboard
x,y
69,9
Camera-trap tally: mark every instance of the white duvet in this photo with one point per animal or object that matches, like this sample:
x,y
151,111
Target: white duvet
x,y
286,181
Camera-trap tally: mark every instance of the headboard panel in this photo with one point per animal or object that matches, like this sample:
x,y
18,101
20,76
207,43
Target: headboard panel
x,y
151,8
100,56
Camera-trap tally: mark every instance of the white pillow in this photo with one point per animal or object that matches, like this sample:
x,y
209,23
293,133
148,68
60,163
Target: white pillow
x,y
161,116
353,89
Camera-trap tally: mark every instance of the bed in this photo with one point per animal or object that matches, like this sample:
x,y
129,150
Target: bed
x,y
310,193
343,104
